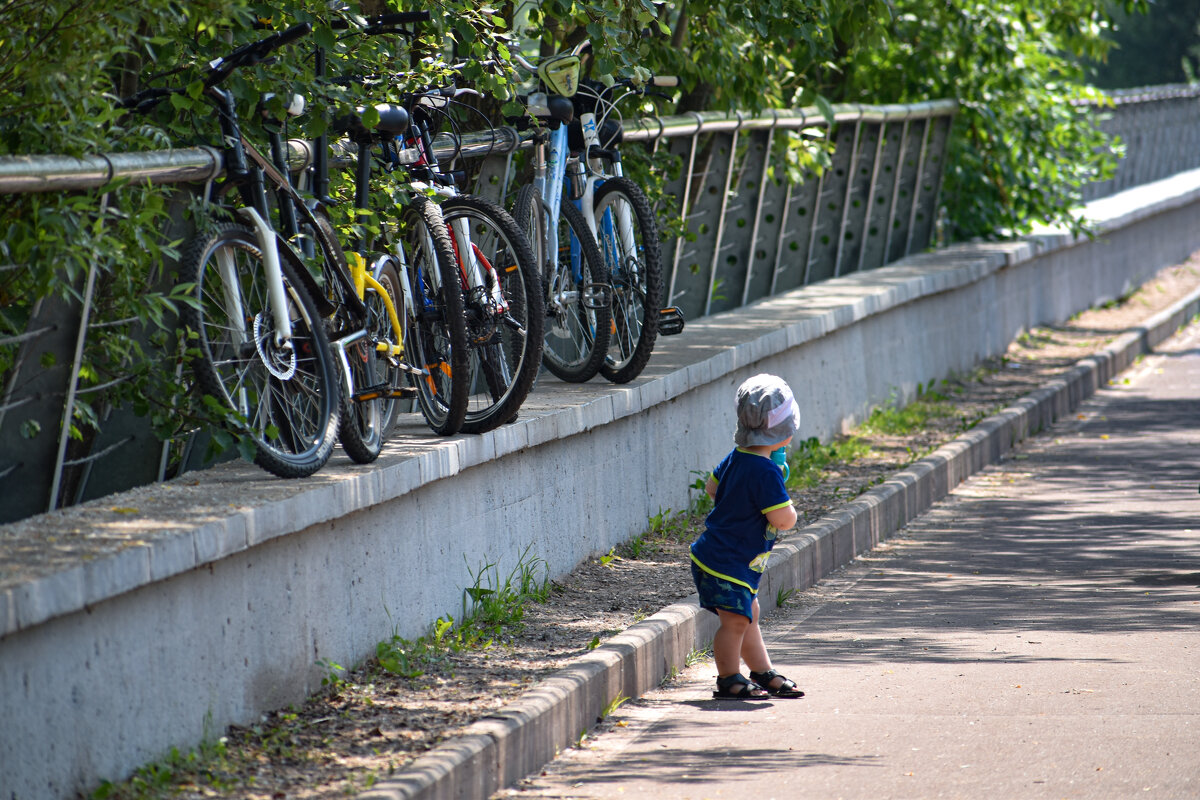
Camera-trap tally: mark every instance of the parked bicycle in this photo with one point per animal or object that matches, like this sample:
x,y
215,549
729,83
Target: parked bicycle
x,y
577,293
624,224
263,354
427,323
496,270
616,211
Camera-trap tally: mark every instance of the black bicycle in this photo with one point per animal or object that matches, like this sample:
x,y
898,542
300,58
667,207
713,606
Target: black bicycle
x,y
257,313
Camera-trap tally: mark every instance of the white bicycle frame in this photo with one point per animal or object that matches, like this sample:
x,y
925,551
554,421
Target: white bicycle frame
x,y
592,177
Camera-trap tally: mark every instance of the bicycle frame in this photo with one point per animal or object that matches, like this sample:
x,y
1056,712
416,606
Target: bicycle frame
x,y
593,177
551,164
467,255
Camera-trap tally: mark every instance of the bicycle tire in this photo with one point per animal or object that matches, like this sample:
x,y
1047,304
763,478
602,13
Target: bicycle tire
x,y
365,423
436,329
287,399
636,279
505,346
576,336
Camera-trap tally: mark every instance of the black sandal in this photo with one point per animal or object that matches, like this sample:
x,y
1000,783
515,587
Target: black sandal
x,y
786,690
736,687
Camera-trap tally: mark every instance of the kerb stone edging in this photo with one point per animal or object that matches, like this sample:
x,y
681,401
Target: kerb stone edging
x,y
520,738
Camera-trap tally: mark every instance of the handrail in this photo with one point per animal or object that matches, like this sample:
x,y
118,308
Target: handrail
x,y
44,173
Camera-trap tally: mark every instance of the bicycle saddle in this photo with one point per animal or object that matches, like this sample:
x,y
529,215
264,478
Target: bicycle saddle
x,y
393,120
554,108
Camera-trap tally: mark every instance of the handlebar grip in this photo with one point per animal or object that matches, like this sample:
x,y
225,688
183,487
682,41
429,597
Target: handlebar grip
x,y
145,99
291,34
401,18
664,81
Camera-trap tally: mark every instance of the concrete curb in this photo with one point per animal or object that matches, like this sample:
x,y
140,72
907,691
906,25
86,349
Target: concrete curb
x,y
520,738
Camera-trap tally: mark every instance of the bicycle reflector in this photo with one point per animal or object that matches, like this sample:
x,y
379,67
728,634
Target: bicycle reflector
x,y
560,74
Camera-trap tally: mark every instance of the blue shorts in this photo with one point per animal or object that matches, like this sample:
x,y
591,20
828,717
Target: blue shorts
x,y
719,593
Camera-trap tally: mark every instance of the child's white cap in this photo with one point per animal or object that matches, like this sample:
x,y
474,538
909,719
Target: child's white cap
x,y
766,412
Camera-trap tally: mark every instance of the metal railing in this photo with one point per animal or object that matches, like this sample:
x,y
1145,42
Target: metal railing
x,y
1158,127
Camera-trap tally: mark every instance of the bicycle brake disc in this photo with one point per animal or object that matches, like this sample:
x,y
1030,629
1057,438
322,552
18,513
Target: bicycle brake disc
x,y
279,361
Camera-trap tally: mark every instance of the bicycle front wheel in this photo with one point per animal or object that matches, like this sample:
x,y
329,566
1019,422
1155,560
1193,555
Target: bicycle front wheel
x,y
578,313
628,238
505,315
436,331
283,393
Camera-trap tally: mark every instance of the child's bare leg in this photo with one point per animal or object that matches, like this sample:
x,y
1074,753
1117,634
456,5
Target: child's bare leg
x,y
728,642
754,649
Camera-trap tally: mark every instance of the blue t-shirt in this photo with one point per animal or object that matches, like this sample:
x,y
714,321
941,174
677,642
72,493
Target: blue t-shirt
x,y
736,536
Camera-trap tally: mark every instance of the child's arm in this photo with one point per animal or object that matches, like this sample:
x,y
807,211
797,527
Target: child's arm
x,y
710,486
782,519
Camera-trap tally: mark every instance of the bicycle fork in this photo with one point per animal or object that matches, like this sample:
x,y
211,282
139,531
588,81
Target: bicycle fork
x,y
277,294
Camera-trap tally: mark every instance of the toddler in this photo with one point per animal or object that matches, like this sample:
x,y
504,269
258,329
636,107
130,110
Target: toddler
x,y
751,506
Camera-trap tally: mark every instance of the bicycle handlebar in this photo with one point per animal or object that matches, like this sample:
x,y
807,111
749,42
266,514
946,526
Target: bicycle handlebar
x,y
400,18
384,22
222,67
247,54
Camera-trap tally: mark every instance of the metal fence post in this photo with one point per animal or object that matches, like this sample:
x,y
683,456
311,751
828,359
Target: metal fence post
x,y
724,205
69,404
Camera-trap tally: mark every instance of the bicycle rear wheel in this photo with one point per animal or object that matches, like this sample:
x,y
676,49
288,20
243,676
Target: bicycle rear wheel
x,y
435,329
634,261
578,312
505,317
284,395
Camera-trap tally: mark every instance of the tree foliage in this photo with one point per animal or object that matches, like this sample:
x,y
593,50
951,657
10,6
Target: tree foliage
x,y
1026,137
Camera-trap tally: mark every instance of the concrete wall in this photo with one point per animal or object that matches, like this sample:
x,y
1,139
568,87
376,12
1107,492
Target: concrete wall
x,y
157,617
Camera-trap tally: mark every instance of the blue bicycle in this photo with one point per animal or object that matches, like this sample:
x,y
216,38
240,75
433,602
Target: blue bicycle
x,y
578,296
582,127
623,222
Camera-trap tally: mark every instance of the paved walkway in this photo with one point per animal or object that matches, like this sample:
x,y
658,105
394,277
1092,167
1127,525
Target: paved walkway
x,y
1035,635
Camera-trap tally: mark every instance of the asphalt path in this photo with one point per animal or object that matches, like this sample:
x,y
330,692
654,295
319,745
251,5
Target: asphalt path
x,y
1035,635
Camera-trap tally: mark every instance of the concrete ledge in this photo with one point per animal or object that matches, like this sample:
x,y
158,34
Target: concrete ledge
x,y
527,734
150,619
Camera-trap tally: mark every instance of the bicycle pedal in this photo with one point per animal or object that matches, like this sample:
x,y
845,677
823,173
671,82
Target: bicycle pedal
x,y
403,393
381,390
595,295
670,321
